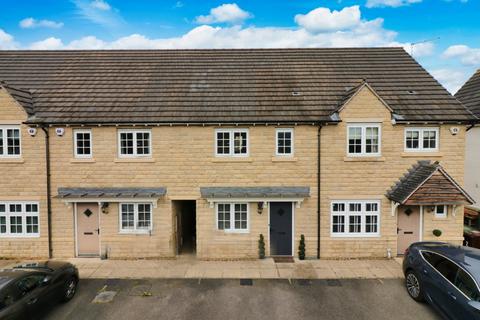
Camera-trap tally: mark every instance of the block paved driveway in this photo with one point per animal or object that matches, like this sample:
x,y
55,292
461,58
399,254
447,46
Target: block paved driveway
x,y
227,299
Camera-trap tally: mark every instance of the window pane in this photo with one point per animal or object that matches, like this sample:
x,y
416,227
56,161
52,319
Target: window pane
x,y
355,224
83,143
16,224
1,142
143,143
13,141
465,283
31,207
284,142
32,224
240,142
128,216
339,207
144,216
15,208
429,139
371,224
223,142
338,224
371,142
412,139
355,207
223,216
241,216
2,208
3,224
355,140
126,143
371,207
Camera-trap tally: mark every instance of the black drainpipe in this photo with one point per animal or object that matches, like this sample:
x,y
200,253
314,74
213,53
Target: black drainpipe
x,y
318,189
49,200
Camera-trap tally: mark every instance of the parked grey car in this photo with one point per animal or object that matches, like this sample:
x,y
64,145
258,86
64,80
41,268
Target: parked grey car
x,y
446,276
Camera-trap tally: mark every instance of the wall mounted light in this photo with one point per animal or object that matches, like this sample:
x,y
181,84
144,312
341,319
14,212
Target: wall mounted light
x,y
104,207
260,207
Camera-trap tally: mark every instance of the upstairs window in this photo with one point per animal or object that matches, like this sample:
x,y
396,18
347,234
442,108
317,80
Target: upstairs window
x,y
363,139
421,139
134,143
83,143
10,146
284,142
440,211
231,142
19,219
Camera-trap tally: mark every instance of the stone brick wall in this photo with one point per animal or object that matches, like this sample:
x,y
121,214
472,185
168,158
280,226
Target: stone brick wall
x,y
23,179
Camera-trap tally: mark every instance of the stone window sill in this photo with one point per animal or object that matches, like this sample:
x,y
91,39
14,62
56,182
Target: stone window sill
x,y
86,160
421,154
12,160
284,159
364,159
134,160
233,159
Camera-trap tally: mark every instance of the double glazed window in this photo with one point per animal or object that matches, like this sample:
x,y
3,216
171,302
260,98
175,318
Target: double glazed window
x,y
232,217
355,218
421,139
231,142
10,146
135,217
440,211
457,276
134,143
19,219
284,142
83,143
363,139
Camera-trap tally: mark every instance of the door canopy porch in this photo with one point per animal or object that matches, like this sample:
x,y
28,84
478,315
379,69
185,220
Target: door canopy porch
x,y
428,183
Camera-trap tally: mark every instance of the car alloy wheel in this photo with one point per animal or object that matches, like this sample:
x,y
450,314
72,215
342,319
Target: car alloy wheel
x,y
70,289
413,285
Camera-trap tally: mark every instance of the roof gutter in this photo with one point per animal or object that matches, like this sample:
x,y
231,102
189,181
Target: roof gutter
x,y
49,193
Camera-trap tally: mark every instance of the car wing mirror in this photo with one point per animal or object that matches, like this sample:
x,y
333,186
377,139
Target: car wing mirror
x,y
475,305
46,281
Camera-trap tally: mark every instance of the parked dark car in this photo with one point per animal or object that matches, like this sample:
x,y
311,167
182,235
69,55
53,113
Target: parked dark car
x,y
471,236
446,276
28,290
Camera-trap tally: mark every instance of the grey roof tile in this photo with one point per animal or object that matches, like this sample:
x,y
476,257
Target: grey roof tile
x,y
469,94
230,85
66,193
254,192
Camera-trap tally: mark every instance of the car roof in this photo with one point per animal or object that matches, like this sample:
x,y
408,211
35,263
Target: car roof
x,y
467,257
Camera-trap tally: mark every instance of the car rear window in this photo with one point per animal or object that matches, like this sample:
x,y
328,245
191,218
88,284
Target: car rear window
x,y
447,268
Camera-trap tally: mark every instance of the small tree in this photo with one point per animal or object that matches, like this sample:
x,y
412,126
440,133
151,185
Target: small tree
x,y
261,247
301,248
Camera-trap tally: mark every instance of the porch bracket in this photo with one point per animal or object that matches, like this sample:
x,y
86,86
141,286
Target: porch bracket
x,y
394,207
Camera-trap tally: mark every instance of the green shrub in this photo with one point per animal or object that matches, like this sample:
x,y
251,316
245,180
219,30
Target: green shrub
x,y
301,248
261,247
437,233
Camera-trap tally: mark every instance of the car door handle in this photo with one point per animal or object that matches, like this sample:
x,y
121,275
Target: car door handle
x,y
32,301
454,297
425,271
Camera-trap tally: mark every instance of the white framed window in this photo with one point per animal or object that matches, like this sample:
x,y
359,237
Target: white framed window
x,y
441,211
135,217
19,219
284,142
231,142
363,139
421,139
232,217
10,141
83,143
134,143
356,218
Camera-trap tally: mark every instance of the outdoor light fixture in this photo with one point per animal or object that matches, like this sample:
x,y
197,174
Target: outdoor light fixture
x,y
260,207
104,207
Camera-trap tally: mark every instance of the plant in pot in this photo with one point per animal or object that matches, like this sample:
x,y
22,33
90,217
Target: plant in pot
x,y
261,247
301,248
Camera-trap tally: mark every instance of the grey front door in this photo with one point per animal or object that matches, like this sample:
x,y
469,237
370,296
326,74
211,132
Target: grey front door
x,y
281,216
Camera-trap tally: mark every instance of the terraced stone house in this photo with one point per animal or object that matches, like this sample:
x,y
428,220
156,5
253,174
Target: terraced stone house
x,y
469,95
145,154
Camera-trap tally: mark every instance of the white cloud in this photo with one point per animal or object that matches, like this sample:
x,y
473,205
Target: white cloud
x,y
51,43
29,23
451,79
226,13
422,49
467,55
324,20
389,3
7,41
100,4
99,12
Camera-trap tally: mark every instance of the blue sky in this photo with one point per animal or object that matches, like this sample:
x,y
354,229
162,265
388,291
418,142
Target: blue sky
x,y
452,25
